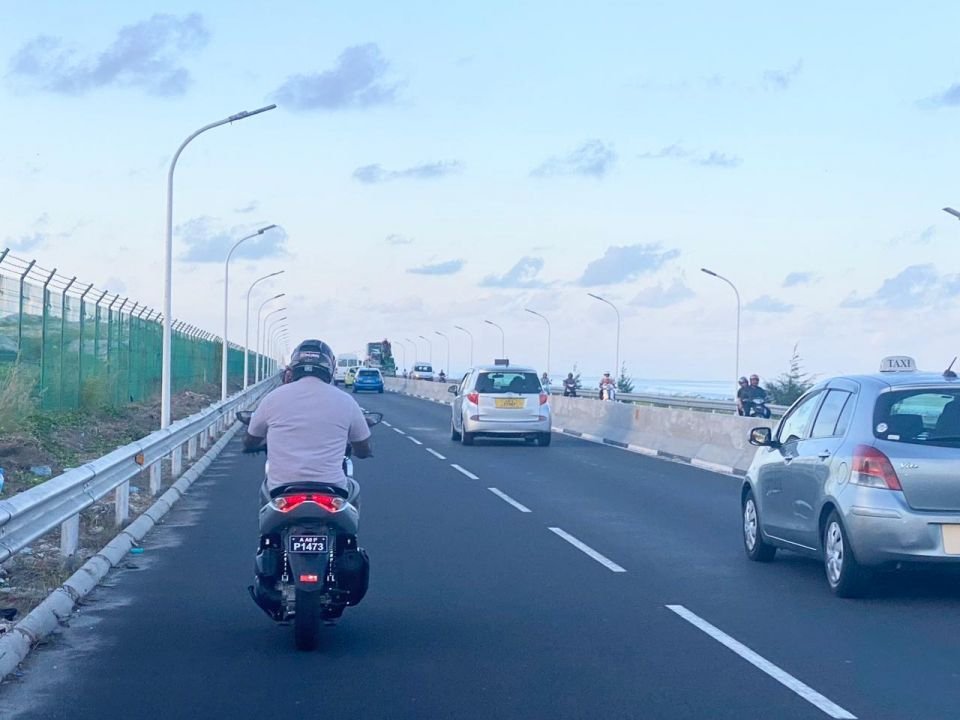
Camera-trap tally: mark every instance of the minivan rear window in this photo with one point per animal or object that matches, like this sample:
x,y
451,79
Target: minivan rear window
x,y
508,382
919,416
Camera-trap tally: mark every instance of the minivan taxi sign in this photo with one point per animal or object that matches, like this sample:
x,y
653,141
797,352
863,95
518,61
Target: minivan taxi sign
x,y
898,363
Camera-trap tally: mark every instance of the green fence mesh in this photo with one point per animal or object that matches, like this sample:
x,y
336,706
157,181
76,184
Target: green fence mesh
x,y
79,347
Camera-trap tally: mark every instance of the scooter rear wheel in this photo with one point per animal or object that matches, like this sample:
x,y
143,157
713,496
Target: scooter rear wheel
x,y
307,620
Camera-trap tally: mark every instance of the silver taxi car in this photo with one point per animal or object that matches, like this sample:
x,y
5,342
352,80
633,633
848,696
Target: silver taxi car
x,y
500,401
863,472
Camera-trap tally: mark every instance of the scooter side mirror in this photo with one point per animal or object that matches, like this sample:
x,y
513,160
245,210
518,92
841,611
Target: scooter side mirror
x,y
373,418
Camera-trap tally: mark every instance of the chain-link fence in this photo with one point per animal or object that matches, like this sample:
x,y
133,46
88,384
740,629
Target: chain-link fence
x,y
70,345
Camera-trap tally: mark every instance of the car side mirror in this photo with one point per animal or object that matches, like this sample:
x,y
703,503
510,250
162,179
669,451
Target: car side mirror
x,y
453,389
373,418
762,437
244,416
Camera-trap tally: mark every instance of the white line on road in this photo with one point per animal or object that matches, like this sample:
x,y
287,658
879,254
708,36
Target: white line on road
x,y
586,549
385,423
506,498
465,472
414,440
764,665
436,454
398,430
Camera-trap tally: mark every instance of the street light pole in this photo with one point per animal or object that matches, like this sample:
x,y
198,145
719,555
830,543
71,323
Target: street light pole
x,y
470,335
544,318
737,293
266,339
414,349
503,339
404,349
246,342
604,300
226,302
429,345
448,348
256,377
166,353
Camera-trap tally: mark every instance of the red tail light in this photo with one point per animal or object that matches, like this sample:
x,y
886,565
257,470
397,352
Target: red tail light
x,y
330,503
873,469
309,578
543,398
473,397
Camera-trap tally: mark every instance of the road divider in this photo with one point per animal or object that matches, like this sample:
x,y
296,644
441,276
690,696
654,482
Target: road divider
x,y
711,441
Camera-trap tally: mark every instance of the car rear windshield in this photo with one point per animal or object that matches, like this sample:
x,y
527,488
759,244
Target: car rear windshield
x,y
919,416
368,373
508,382
423,368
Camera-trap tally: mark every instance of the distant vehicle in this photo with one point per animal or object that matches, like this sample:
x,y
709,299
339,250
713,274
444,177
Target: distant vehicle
x,y
500,401
862,473
344,363
368,379
422,371
349,378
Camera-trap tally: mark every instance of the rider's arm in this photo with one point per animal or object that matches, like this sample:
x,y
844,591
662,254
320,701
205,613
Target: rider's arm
x,y
362,449
257,428
359,434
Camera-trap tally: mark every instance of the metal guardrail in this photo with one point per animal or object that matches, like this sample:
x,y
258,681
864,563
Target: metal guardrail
x,y
671,401
59,501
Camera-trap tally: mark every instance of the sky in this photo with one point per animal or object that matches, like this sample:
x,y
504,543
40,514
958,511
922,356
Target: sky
x,y
440,164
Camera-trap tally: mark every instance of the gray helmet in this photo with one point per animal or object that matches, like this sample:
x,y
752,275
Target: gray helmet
x,y
314,358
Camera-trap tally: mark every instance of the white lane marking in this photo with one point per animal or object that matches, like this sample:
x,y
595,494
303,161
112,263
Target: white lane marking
x,y
414,440
764,665
506,498
398,430
587,550
436,454
465,472
385,423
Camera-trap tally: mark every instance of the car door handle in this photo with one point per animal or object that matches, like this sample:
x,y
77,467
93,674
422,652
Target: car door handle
x,y
824,455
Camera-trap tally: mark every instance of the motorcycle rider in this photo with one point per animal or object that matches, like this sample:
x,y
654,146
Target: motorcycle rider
x,y
743,394
307,424
607,384
570,386
545,383
756,392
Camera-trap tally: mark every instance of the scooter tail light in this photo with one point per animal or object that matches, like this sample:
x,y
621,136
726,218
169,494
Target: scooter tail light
x,y
473,397
873,469
330,503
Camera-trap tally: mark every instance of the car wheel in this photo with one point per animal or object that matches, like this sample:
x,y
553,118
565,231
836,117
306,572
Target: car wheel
x,y
846,577
543,439
380,391
454,435
530,439
467,438
758,549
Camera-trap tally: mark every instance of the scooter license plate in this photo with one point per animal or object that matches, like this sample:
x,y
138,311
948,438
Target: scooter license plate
x,y
308,543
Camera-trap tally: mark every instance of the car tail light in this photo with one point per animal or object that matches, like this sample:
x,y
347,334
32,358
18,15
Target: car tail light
x,y
543,398
330,503
473,397
873,469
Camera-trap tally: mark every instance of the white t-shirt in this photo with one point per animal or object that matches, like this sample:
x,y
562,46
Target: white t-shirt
x,y
307,425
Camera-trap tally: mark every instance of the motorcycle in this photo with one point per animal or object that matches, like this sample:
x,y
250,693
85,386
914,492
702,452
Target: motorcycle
x,y
309,567
608,392
756,407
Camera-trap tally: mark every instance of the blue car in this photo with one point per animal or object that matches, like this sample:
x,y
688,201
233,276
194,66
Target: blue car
x,y
368,379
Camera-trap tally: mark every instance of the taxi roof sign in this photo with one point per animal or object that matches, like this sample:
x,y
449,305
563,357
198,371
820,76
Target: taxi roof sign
x,y
898,363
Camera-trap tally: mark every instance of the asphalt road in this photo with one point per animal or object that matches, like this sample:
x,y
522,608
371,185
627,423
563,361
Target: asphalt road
x,y
589,583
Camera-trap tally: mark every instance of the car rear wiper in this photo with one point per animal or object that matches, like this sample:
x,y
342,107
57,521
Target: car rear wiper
x,y
954,438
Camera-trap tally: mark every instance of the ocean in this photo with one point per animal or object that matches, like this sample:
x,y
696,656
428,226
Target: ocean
x,y
704,389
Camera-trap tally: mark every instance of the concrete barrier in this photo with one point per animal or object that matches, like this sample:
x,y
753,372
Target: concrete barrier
x,y
707,440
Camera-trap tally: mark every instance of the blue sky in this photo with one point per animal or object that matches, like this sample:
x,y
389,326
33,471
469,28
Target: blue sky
x,y
437,165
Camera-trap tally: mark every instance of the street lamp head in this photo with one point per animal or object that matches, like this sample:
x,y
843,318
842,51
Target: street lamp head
x,y
250,113
490,323
708,272
597,297
953,212
262,230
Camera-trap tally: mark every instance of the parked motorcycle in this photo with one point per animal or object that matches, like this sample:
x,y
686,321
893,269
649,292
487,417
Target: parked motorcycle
x,y
309,567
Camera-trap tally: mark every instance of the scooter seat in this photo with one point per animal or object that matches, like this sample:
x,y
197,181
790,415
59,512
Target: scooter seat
x,y
310,488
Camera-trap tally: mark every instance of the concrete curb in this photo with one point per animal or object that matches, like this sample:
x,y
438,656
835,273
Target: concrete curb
x,y
58,606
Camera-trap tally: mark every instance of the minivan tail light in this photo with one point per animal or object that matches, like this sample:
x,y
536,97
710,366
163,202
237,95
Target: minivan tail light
x,y
873,469
543,398
473,397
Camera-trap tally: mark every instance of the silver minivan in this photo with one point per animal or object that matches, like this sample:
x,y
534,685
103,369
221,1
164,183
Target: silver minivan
x,y
863,471
500,401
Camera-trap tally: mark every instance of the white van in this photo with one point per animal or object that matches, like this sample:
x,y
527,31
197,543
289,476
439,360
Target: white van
x,y
344,363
